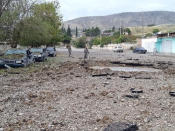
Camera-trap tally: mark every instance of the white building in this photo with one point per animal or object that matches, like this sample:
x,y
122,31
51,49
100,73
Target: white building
x,y
149,44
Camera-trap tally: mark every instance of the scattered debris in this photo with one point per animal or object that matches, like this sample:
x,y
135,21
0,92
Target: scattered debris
x,y
132,96
104,93
121,127
172,93
68,92
143,77
90,95
136,91
125,76
100,75
104,120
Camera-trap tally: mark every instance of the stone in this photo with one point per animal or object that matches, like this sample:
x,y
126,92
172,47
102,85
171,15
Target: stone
x,y
172,93
43,129
147,120
132,96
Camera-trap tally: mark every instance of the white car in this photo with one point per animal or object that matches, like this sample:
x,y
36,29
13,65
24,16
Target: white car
x,y
118,49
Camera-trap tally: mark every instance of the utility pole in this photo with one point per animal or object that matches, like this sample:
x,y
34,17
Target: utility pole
x,y
120,28
142,20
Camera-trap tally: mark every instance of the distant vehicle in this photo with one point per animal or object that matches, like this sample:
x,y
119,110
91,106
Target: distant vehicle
x,y
140,50
15,58
39,54
118,49
51,51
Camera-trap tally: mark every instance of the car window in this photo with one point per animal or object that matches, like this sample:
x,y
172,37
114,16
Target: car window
x,y
37,50
17,51
50,49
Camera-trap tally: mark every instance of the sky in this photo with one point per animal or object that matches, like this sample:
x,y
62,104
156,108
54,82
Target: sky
x,y
71,9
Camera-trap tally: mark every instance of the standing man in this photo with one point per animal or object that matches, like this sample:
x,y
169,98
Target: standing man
x,y
86,52
28,52
69,50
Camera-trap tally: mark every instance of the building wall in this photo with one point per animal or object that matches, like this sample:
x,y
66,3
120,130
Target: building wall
x,y
125,46
165,45
149,44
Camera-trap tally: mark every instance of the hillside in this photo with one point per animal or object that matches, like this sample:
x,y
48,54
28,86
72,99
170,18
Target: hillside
x,y
128,19
139,30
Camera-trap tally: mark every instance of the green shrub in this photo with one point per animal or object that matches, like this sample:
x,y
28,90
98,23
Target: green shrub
x,y
80,43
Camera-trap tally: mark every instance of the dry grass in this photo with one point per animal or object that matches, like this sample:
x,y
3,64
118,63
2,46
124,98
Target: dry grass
x,y
146,29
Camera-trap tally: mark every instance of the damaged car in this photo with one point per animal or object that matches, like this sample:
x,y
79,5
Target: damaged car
x,y
140,50
15,58
51,51
40,54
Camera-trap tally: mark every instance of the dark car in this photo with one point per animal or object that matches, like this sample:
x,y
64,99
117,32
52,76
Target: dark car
x,y
15,58
140,50
2,64
51,51
39,54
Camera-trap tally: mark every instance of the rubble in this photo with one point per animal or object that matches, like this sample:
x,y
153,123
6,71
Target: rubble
x,y
67,96
121,127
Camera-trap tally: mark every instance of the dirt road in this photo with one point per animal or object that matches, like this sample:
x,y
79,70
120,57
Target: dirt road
x,y
65,94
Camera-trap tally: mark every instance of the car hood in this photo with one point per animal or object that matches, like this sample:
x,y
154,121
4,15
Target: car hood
x,y
51,52
13,57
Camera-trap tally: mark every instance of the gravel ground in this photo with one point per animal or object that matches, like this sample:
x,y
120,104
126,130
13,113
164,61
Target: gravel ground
x,y
66,95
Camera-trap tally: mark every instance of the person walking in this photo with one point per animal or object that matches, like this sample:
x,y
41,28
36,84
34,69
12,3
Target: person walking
x,y
86,52
69,50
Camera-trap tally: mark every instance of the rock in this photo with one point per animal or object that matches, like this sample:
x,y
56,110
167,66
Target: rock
x,y
100,75
115,101
147,120
136,91
143,77
20,114
121,127
78,75
106,83
32,95
1,109
172,93
104,120
125,76
110,95
132,96
104,93
90,95
108,78
43,129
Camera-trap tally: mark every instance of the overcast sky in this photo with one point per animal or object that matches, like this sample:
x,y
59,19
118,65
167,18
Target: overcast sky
x,y
71,9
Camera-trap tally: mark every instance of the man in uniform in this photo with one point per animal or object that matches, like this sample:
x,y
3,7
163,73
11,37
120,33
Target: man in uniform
x,y
86,52
69,50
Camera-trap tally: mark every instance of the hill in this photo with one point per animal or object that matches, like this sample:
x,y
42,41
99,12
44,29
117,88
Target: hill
x,y
127,19
139,30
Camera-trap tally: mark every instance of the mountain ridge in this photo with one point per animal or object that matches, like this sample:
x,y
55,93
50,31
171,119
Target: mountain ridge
x,y
125,19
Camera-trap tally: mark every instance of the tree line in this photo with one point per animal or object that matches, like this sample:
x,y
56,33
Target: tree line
x,y
32,23
99,38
